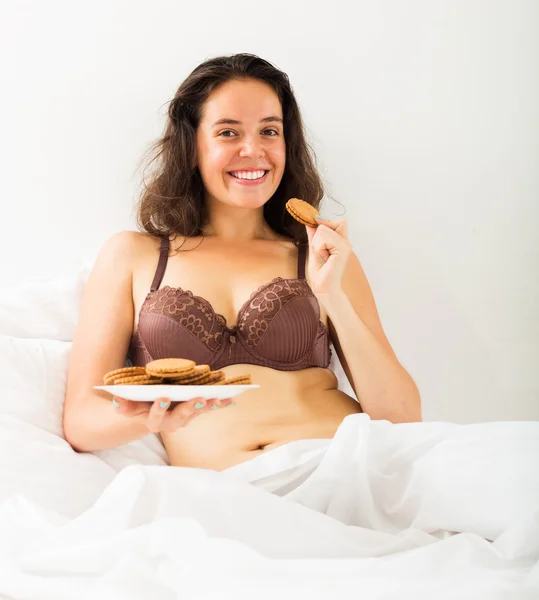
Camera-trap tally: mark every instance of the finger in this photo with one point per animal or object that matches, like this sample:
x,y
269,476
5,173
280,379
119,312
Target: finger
x,y
327,242
186,409
195,404
340,226
310,233
317,246
214,403
176,419
319,252
227,402
221,402
157,414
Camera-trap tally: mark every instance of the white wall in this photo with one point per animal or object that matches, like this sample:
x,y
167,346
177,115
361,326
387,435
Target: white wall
x,y
424,116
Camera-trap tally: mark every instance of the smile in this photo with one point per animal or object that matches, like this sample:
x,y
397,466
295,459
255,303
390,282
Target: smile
x,y
251,181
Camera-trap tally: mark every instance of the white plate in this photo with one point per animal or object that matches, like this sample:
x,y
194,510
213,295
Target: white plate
x,y
176,393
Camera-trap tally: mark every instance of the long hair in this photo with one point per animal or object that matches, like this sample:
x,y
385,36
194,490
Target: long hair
x,y
172,201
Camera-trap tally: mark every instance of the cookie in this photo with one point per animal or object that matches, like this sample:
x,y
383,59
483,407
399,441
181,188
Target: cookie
x,y
302,211
238,380
171,367
199,371
201,380
199,374
217,377
108,378
138,380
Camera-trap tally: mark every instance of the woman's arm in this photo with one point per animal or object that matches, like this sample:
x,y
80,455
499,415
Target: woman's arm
x,y
100,345
383,387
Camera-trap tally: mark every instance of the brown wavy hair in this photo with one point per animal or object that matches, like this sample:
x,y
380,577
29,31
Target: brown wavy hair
x,y
172,201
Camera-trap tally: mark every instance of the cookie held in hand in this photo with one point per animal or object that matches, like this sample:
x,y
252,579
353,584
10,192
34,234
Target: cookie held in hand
x,y
303,212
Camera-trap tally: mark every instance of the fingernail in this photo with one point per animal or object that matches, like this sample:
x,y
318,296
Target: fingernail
x,y
319,217
115,403
214,406
199,405
232,404
163,404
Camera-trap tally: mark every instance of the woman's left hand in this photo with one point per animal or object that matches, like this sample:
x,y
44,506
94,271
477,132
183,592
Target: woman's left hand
x,y
329,250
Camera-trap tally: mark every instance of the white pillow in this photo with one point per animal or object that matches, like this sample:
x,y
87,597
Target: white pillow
x,y
33,375
45,309
32,381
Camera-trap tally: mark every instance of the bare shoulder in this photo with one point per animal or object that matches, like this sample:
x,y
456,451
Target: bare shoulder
x,y
128,243
129,250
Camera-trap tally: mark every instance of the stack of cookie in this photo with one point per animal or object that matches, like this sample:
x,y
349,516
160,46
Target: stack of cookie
x,y
172,371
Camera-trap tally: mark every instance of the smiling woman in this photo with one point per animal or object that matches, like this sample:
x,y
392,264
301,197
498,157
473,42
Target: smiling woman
x,y
222,274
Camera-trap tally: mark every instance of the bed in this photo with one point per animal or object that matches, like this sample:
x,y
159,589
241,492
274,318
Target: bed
x,y
384,510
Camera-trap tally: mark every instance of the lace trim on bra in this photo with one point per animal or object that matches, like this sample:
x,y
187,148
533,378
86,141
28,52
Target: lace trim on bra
x,y
197,315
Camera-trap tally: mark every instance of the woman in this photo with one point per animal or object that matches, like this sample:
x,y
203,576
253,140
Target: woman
x,y
222,274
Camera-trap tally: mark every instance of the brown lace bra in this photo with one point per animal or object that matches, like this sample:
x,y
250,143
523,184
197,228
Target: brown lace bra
x,y
278,326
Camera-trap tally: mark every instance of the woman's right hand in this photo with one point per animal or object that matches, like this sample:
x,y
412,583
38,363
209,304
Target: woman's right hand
x,y
158,417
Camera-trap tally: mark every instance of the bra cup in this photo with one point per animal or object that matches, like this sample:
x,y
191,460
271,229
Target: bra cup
x,y
165,337
286,335
291,334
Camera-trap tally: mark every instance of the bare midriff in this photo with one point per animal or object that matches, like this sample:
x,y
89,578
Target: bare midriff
x,y
288,406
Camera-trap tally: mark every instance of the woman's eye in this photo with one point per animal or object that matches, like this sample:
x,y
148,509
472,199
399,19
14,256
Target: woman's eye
x,y
274,133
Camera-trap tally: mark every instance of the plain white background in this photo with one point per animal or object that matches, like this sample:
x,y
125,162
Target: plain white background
x,y
424,118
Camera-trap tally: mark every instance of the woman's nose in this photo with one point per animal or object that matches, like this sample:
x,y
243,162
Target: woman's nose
x,y
251,147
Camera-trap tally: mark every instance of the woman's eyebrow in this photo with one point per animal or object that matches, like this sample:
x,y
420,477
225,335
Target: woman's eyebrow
x,y
226,121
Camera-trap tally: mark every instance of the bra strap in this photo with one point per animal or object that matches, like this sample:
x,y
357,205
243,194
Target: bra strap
x,y
302,253
162,264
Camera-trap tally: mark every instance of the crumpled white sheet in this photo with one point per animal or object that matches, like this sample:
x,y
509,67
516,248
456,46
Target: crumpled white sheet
x,y
381,511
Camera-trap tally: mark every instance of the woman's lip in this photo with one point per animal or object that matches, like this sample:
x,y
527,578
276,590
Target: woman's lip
x,y
250,182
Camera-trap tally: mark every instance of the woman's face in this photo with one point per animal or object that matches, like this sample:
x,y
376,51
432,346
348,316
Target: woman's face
x,y
241,149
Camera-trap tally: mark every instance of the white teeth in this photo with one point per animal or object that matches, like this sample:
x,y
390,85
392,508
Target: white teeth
x,y
248,174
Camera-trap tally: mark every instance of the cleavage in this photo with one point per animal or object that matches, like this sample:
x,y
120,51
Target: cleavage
x,y
237,316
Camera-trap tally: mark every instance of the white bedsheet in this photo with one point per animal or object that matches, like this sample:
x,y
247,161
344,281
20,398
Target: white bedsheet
x,y
380,510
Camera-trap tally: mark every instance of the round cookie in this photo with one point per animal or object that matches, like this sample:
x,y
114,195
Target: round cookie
x,y
199,371
302,211
238,380
200,380
198,376
217,377
138,380
171,367
109,377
